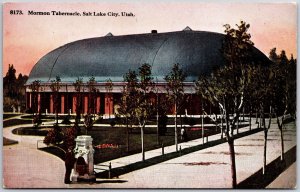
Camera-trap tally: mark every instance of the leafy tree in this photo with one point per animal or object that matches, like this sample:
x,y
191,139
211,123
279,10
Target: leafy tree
x,y
78,88
55,87
10,81
142,109
13,89
88,119
284,85
175,90
162,107
127,103
92,95
264,94
226,86
66,137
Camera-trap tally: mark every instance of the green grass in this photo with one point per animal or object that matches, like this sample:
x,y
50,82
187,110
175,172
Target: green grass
x,y
6,116
31,131
117,135
12,122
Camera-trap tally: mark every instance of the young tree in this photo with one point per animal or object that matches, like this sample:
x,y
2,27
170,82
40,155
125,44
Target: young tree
x,y
127,103
284,85
175,90
55,87
78,88
92,95
88,119
264,94
142,107
226,86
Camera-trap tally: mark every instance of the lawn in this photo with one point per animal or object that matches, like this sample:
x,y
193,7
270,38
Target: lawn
x,y
9,115
117,136
12,122
113,140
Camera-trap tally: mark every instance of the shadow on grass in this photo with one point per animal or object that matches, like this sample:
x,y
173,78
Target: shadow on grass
x,y
273,170
115,172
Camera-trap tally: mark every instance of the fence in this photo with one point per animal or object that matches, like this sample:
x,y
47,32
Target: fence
x,y
104,168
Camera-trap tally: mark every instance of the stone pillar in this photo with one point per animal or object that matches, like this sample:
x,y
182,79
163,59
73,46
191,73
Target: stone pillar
x,y
62,104
30,100
98,104
39,102
74,100
51,103
86,102
109,103
84,153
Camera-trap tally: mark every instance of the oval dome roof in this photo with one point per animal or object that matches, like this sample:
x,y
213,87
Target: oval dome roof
x,y
197,52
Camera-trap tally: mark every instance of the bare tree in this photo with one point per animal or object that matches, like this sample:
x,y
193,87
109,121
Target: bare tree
x,y
226,86
142,109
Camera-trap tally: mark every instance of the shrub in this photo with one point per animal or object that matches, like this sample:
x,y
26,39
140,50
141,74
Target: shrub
x,y
54,136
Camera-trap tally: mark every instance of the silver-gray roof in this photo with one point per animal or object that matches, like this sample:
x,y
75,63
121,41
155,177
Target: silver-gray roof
x,y
197,52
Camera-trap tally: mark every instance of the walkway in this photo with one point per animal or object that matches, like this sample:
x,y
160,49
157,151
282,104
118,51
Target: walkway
x,y
26,167
206,168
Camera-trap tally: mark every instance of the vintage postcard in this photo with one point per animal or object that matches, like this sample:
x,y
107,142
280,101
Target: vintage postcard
x,y
177,94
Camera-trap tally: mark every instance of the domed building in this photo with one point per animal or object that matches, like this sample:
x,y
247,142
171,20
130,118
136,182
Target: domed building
x,y
110,57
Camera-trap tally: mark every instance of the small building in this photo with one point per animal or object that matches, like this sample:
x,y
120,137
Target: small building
x,y
110,57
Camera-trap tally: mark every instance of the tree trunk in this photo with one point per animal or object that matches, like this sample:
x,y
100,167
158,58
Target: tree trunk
x,y
243,113
232,159
221,115
265,150
157,130
142,139
280,125
237,125
230,141
127,132
261,121
175,130
202,127
250,119
282,145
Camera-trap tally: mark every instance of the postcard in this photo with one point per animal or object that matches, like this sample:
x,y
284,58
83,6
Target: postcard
x,y
151,95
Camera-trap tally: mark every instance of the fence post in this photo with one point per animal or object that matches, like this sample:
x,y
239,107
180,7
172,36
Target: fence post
x,y
180,150
109,170
162,149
